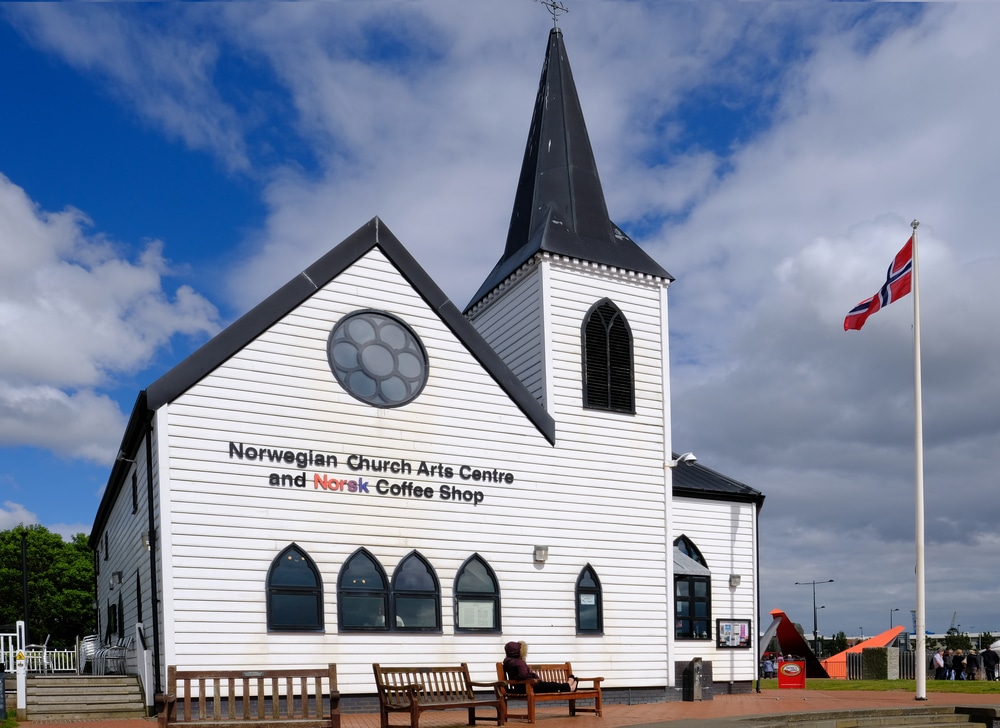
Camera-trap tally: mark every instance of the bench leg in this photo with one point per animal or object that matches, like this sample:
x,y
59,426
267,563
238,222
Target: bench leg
x,y
572,707
472,716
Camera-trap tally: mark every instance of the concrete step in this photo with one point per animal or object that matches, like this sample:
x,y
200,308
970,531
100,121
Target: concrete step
x,y
83,697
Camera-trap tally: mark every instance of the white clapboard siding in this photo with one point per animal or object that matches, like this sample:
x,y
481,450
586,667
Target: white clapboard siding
x,y
227,524
511,322
598,496
724,532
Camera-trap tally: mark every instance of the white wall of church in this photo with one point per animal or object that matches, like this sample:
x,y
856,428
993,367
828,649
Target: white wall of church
x,y
725,533
513,325
597,497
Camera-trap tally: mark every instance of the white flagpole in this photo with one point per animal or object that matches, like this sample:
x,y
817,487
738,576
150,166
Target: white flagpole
x,y
921,656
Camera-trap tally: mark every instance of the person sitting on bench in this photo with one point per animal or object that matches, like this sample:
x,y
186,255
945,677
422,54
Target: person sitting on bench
x,y
517,669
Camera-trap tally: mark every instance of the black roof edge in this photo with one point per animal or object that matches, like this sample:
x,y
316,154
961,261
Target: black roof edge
x,y
128,448
756,498
374,233
713,485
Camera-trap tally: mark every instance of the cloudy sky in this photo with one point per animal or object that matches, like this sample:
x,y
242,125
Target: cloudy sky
x,y
165,167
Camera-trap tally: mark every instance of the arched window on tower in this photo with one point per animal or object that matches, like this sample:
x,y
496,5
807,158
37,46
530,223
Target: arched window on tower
x,y
294,593
589,603
477,597
608,380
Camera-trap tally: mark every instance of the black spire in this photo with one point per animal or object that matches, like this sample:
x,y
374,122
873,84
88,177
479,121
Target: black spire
x,y
559,206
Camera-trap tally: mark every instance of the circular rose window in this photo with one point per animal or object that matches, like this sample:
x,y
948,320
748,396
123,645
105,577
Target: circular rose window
x,y
377,359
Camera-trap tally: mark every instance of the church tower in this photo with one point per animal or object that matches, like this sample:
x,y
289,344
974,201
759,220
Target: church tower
x,y
574,306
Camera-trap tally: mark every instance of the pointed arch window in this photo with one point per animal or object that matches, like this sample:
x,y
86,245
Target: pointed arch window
x,y
416,596
608,378
477,597
692,592
589,603
362,594
294,593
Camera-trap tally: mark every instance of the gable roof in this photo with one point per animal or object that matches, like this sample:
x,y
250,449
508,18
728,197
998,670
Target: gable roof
x,y
237,335
280,303
697,481
559,206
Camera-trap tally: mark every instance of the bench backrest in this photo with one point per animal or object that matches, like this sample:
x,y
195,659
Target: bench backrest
x,y
549,672
436,684
254,694
553,673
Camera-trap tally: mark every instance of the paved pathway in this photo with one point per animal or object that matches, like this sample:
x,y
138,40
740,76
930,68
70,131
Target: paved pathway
x,y
674,715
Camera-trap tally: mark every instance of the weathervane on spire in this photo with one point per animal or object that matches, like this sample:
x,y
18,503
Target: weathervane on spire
x,y
556,9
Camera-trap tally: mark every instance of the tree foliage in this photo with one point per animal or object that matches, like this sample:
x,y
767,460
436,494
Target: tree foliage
x,y
60,585
955,640
837,643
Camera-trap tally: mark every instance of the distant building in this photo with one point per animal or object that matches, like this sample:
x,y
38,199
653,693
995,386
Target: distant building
x,y
358,472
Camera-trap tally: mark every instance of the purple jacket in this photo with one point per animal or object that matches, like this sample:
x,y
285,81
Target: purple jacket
x,y
513,665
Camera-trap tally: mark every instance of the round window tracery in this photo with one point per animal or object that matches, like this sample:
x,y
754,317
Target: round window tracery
x,y
377,359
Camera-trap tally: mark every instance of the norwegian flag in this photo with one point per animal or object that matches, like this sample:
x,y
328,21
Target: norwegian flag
x,y
897,285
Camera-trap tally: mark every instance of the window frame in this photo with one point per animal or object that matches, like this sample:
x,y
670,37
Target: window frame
x,y
395,593
687,547
608,382
597,592
477,596
289,590
347,592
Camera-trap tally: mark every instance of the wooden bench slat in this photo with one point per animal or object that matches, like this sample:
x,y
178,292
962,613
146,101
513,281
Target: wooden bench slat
x,y
417,689
195,698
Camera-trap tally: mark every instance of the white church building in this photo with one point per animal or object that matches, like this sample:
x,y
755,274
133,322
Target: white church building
x,y
358,471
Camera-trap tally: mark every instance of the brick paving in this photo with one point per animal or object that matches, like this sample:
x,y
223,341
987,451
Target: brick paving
x,y
679,714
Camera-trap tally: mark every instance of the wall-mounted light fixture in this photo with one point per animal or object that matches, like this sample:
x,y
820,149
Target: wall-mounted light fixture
x,y
145,540
687,458
122,459
116,580
541,554
734,580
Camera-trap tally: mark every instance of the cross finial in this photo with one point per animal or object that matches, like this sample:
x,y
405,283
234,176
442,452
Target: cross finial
x,y
556,9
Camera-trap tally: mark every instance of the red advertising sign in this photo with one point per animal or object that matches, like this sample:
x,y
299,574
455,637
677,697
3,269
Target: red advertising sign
x,y
792,674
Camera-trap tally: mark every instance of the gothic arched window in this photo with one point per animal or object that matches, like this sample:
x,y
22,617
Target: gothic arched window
x,y
607,360
294,593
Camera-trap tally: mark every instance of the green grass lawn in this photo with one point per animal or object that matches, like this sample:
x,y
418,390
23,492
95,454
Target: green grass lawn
x,y
970,687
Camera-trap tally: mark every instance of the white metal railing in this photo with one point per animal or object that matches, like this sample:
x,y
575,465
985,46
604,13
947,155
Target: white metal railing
x,y
34,660
50,660
8,650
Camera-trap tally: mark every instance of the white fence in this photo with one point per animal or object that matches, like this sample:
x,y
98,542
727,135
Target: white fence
x,y
35,659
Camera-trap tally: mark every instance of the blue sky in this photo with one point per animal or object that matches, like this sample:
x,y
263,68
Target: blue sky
x,y
164,167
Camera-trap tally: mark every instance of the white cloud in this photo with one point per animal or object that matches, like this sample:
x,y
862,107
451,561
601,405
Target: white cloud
x,y
771,389
851,119
14,514
167,77
74,314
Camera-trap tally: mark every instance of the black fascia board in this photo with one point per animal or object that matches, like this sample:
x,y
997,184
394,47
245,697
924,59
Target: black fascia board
x,y
129,447
698,481
279,304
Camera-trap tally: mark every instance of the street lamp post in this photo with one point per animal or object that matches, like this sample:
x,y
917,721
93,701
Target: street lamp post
x,y
890,616
815,628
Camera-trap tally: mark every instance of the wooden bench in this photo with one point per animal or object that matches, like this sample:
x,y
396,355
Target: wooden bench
x,y
416,689
524,690
279,698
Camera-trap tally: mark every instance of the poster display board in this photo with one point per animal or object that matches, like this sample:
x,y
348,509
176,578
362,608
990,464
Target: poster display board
x,y
733,633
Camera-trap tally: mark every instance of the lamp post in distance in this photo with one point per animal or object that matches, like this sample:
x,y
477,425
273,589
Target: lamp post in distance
x,y
891,625
815,628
